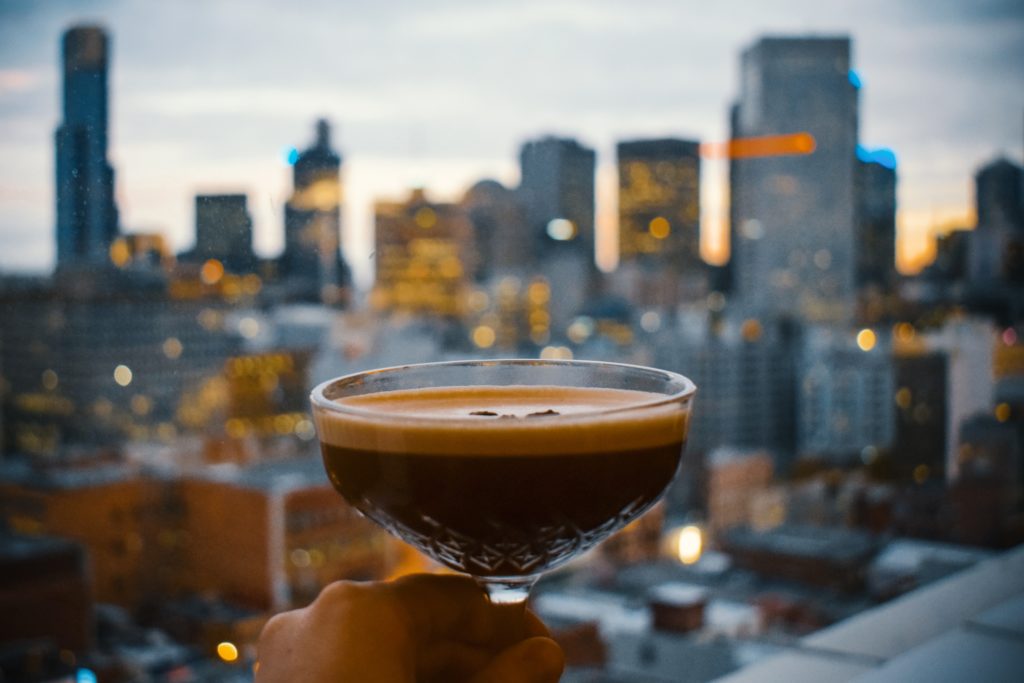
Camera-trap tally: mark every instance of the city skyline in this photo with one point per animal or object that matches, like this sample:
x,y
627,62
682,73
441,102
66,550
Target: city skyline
x,y
428,123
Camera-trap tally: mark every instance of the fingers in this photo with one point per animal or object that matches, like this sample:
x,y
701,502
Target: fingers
x,y
442,607
534,660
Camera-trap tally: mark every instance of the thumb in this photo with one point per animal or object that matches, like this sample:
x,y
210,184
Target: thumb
x,y
534,660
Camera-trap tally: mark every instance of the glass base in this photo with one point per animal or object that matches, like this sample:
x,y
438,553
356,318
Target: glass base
x,y
507,590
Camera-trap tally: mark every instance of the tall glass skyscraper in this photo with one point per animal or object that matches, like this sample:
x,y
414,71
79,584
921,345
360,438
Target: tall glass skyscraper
x,y
87,220
312,260
793,232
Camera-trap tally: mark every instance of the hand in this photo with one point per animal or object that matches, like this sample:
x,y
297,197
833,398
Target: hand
x,y
417,629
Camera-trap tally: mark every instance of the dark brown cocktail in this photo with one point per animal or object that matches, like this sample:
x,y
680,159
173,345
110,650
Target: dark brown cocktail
x,y
502,482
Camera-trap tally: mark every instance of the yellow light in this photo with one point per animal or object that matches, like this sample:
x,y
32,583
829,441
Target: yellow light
x,y
904,332
227,651
172,348
235,428
119,252
903,398
426,217
556,353
483,336
659,228
1003,412
49,380
690,544
539,293
123,375
866,339
141,405
921,473
211,272
751,330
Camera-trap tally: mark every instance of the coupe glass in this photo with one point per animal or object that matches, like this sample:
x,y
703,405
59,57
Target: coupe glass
x,y
503,469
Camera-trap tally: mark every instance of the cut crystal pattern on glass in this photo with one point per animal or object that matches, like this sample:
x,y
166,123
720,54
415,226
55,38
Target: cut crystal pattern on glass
x,y
549,547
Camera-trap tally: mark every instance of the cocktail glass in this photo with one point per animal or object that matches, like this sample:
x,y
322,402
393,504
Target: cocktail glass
x,y
503,469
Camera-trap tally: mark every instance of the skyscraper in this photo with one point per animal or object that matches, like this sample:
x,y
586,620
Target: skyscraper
x,y
312,261
794,216
557,191
659,214
876,221
500,233
996,247
224,231
87,220
425,255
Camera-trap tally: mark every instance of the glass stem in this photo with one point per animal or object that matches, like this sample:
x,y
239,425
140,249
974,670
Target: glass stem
x,y
508,591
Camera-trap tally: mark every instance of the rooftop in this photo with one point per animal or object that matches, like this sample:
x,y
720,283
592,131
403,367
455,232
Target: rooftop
x,y
969,626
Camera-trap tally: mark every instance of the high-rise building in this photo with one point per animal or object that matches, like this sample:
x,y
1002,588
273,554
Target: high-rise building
x,y
844,396
312,262
557,191
794,237
876,221
499,228
224,231
744,370
659,215
103,358
424,255
87,220
996,250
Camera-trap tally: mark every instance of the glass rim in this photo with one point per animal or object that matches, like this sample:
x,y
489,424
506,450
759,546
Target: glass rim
x,y
320,401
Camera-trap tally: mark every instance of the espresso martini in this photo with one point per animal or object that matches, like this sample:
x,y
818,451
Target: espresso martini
x,y
503,481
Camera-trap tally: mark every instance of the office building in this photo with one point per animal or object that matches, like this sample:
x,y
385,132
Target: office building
x,y
996,247
794,215
425,254
659,219
557,192
876,222
499,226
224,231
919,442
844,396
87,219
744,370
98,360
312,262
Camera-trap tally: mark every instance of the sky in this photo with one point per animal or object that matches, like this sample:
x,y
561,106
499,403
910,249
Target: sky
x,y
210,96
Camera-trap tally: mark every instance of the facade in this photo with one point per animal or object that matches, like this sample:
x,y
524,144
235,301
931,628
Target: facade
x,y
557,192
42,571
224,231
424,254
99,360
922,390
876,225
500,232
793,232
996,248
312,262
87,219
659,218
844,398
745,373
736,479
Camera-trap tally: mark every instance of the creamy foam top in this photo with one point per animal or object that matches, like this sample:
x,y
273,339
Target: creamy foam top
x,y
440,421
